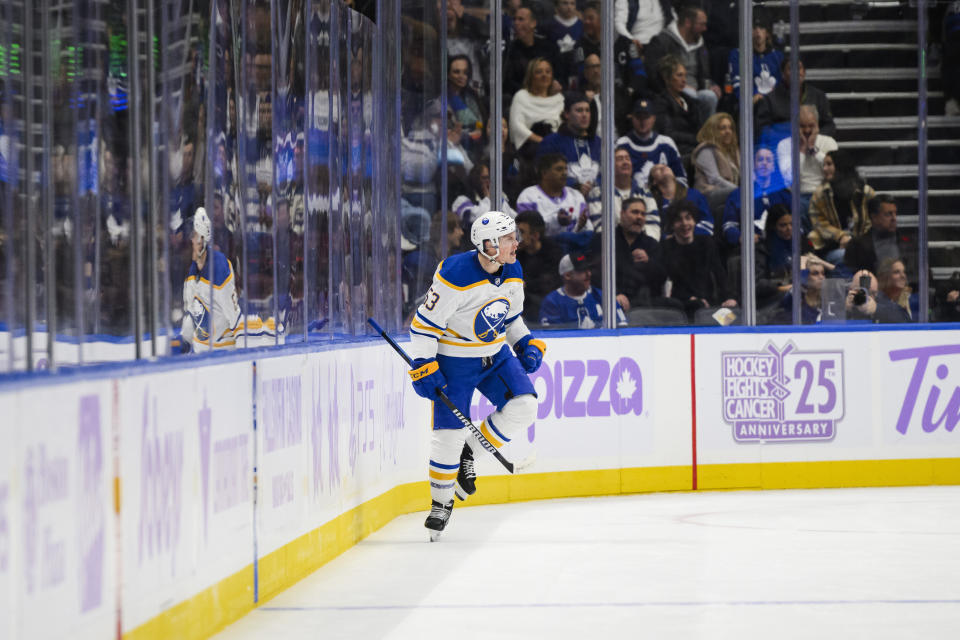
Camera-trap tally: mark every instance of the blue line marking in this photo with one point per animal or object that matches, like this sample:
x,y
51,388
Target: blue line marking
x,y
600,605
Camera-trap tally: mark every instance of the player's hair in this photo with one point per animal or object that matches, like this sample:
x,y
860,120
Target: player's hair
x,y
873,204
547,160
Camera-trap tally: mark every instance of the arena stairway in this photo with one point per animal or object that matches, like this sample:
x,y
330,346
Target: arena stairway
x,y
864,56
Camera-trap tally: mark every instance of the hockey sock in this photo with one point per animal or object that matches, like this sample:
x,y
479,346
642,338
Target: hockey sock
x,y
445,448
501,426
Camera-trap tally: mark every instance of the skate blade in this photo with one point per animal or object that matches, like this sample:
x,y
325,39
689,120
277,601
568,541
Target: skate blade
x,y
435,535
460,493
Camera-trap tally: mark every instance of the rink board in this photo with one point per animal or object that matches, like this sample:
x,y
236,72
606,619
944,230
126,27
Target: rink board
x,y
171,501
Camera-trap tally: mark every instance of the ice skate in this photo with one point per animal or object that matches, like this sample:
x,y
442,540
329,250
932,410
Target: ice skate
x,y
466,484
438,519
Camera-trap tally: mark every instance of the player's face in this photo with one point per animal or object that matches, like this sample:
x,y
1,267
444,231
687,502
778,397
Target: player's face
x,y
508,248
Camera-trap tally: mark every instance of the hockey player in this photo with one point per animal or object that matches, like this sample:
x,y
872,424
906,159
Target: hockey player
x,y
204,304
460,339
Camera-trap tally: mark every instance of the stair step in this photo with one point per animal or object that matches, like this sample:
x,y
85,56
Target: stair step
x,y
895,122
869,73
858,26
899,170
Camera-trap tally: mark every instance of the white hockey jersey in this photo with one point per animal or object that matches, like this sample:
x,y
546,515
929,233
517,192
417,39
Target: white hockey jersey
x,y
571,203
203,315
468,312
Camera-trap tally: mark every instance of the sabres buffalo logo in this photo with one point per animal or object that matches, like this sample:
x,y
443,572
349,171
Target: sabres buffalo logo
x,y
489,321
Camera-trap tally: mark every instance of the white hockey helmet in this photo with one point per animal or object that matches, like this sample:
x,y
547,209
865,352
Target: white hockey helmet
x,y
491,226
201,224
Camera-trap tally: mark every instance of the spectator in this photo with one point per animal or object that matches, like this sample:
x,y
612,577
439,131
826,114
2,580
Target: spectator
x,y
420,264
590,85
510,160
639,270
539,257
576,301
565,28
717,160
563,209
666,189
466,104
813,148
881,242
811,303
838,208
536,109
868,304
575,143
947,299
950,61
773,110
465,37
767,62
419,154
646,147
526,46
894,296
476,202
767,191
625,187
629,76
678,114
697,275
683,38
640,20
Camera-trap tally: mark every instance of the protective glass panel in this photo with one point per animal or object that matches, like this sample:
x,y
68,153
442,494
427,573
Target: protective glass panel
x,y
316,272
12,183
341,292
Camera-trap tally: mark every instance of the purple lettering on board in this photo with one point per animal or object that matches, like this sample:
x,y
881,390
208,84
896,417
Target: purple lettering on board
x,y
573,370
161,482
951,414
4,530
90,516
626,387
317,414
333,431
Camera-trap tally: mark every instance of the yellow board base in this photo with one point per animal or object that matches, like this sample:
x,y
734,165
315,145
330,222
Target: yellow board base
x,y
231,598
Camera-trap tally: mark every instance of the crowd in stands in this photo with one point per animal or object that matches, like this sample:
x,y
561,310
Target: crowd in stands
x,y
676,169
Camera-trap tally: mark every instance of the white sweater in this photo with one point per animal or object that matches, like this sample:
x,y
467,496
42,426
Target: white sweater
x,y
526,110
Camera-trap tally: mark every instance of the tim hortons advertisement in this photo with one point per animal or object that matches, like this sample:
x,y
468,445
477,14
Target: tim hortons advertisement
x,y
920,392
66,540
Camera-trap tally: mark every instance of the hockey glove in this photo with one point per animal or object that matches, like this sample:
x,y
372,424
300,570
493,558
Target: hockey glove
x,y
530,352
427,378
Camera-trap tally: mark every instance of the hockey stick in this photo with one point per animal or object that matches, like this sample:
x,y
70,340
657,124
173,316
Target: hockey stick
x,y
448,403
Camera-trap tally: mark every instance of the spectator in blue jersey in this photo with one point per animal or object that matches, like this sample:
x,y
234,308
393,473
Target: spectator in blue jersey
x,y
574,142
768,190
639,271
767,62
565,27
698,279
576,302
683,39
539,257
647,147
666,189
527,45
678,114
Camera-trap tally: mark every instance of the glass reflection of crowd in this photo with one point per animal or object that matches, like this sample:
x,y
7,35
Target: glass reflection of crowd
x,y
676,168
